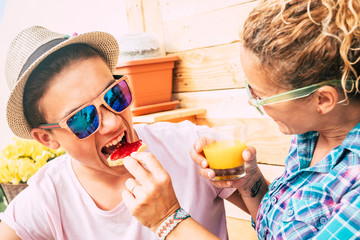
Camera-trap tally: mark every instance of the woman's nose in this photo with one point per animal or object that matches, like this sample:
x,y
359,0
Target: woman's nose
x,y
109,120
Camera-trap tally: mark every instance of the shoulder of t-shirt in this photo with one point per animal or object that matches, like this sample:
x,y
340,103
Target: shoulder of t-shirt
x,y
28,212
52,169
41,191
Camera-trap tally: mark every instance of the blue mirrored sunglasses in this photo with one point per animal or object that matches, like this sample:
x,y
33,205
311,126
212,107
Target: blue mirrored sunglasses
x,y
85,120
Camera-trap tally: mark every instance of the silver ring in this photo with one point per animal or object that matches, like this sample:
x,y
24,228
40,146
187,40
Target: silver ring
x,y
133,188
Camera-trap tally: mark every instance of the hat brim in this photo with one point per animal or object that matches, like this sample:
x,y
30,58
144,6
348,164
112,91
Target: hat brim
x,y
105,43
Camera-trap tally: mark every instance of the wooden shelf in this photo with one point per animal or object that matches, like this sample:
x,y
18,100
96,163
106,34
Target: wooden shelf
x,y
176,115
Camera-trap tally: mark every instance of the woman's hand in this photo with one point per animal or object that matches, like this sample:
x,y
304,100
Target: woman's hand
x,y
244,184
252,187
150,197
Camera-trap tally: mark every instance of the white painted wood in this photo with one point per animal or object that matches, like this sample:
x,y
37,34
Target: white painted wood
x,y
232,103
177,9
213,28
135,18
211,68
153,21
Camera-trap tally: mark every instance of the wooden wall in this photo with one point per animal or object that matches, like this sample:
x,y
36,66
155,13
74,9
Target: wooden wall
x,y
205,36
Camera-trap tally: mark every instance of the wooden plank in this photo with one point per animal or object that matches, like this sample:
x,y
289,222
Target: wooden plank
x,y
170,8
231,103
134,13
213,28
169,115
239,229
153,22
210,68
192,119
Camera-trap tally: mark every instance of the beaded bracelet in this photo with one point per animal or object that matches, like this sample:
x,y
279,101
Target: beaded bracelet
x,y
170,223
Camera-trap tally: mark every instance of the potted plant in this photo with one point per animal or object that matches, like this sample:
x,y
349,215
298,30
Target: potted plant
x,y
19,161
150,74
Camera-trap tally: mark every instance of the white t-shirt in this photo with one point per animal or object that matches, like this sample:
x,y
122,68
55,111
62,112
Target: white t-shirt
x,y
56,206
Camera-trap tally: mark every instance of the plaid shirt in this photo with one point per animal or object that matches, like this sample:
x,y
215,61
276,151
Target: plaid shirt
x,y
320,202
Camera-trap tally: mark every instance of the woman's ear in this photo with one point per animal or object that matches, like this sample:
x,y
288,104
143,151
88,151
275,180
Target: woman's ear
x,y
45,138
326,98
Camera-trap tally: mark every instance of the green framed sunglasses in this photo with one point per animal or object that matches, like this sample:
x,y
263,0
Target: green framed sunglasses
x,y
286,96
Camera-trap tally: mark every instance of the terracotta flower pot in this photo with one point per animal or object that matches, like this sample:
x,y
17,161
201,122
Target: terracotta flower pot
x,y
150,83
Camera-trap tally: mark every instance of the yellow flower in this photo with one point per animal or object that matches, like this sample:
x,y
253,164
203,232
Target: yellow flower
x,y
23,158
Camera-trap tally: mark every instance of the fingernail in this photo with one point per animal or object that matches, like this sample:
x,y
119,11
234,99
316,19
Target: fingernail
x,y
211,175
198,148
132,154
204,163
246,154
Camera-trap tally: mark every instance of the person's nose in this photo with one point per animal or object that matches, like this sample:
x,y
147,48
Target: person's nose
x,y
109,120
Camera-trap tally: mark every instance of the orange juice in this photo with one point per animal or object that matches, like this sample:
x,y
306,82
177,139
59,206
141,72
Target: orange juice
x,y
225,154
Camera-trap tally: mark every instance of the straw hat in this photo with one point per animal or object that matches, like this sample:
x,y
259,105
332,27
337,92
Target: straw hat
x,y
28,49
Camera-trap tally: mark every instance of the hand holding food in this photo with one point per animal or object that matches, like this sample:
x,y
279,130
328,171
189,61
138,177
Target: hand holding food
x,y
150,196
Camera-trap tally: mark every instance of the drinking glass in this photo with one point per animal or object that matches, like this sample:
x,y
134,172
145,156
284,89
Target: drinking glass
x,y
223,150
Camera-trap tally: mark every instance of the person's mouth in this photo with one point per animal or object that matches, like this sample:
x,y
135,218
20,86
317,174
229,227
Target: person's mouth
x,y
109,148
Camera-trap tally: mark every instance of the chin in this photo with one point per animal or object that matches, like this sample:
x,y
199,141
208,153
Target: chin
x,y
284,129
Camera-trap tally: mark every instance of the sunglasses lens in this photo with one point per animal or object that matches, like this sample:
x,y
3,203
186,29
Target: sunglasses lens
x,y
84,122
118,97
252,98
251,93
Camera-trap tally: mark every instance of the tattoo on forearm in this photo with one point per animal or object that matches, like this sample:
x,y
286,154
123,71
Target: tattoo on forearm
x,y
255,189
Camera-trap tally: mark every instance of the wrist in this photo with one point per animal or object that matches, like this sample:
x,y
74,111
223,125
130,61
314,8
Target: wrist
x,y
254,185
170,223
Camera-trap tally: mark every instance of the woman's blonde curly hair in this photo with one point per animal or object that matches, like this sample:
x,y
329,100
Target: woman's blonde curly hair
x,y
300,43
